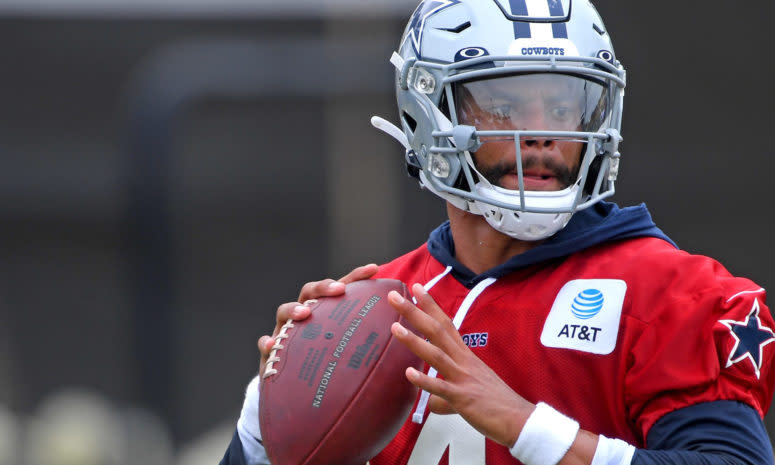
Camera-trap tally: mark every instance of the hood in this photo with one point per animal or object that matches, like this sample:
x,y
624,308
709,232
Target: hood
x,y
602,222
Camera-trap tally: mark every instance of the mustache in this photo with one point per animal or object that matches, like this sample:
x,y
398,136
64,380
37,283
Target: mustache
x,y
494,173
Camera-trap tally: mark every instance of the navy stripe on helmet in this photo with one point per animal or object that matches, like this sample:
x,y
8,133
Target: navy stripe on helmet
x,y
559,31
521,28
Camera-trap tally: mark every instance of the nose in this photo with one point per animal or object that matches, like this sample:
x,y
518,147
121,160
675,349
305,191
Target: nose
x,y
535,120
536,143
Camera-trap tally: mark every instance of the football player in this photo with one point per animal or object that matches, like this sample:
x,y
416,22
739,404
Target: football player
x,y
559,328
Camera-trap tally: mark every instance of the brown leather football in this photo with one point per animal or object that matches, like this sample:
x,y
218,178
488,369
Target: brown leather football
x,y
334,389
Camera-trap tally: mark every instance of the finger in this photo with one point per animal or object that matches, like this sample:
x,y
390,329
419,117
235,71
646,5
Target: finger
x,y
329,287
324,288
265,344
440,406
431,354
290,311
416,317
360,273
427,317
427,304
437,387
444,333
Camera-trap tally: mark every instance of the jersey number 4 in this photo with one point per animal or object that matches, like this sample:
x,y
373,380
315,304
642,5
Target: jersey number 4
x,y
441,432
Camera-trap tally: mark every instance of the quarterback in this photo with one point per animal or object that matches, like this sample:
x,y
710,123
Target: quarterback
x,y
558,327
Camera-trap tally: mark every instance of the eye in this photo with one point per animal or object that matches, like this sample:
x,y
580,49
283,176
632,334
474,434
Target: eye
x,y
560,113
501,112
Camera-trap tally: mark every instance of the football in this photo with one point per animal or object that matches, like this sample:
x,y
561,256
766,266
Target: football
x,y
334,389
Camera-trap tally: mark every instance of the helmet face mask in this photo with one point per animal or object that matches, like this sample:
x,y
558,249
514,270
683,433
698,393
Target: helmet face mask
x,y
473,85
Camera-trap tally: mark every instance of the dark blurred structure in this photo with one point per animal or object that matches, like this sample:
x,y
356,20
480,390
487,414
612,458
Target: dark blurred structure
x,y
169,177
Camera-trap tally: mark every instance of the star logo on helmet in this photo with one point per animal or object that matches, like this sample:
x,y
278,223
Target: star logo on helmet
x,y
750,338
424,11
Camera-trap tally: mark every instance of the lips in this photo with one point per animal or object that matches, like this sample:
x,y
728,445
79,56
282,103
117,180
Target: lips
x,y
535,180
539,174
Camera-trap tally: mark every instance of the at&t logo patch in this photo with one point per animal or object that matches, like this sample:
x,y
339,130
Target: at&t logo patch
x,y
585,316
587,304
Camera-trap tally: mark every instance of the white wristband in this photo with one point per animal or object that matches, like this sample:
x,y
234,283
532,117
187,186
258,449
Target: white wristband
x,y
612,452
545,438
248,420
248,427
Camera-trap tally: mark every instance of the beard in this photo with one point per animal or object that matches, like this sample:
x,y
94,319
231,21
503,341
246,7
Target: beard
x,y
562,173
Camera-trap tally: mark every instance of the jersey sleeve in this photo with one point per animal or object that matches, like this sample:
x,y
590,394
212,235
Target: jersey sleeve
x,y
711,433
234,454
708,336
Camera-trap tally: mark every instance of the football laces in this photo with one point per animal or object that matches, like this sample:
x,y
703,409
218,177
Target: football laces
x,y
273,358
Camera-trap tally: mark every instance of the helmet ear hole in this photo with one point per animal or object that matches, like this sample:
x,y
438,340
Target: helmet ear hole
x,y
409,122
444,105
594,172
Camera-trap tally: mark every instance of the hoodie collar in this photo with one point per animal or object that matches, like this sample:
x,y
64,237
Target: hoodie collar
x,y
603,222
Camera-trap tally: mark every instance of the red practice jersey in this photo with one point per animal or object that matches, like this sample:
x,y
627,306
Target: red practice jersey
x,y
614,336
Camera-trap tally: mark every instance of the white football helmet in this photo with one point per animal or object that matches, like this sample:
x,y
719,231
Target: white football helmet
x,y
461,59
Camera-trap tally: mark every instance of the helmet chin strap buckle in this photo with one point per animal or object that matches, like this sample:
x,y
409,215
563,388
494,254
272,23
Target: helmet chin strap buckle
x,y
612,146
465,138
613,171
411,159
614,139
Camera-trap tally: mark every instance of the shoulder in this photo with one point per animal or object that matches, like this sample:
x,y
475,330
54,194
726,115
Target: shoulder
x,y
660,276
637,252
415,266
694,332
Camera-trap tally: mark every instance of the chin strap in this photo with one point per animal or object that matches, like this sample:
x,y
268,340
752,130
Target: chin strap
x,y
411,159
391,130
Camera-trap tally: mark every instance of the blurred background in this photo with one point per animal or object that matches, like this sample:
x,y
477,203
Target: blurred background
x,y
172,170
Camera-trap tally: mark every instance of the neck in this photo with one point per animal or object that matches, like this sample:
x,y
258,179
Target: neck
x,y
480,247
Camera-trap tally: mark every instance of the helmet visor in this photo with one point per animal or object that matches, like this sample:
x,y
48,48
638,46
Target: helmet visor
x,y
532,102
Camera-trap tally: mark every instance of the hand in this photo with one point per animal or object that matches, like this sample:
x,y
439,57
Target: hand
x,y
467,386
300,310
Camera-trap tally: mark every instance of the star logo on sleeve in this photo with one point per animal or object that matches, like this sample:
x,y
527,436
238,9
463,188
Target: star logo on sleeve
x,y
750,338
424,11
